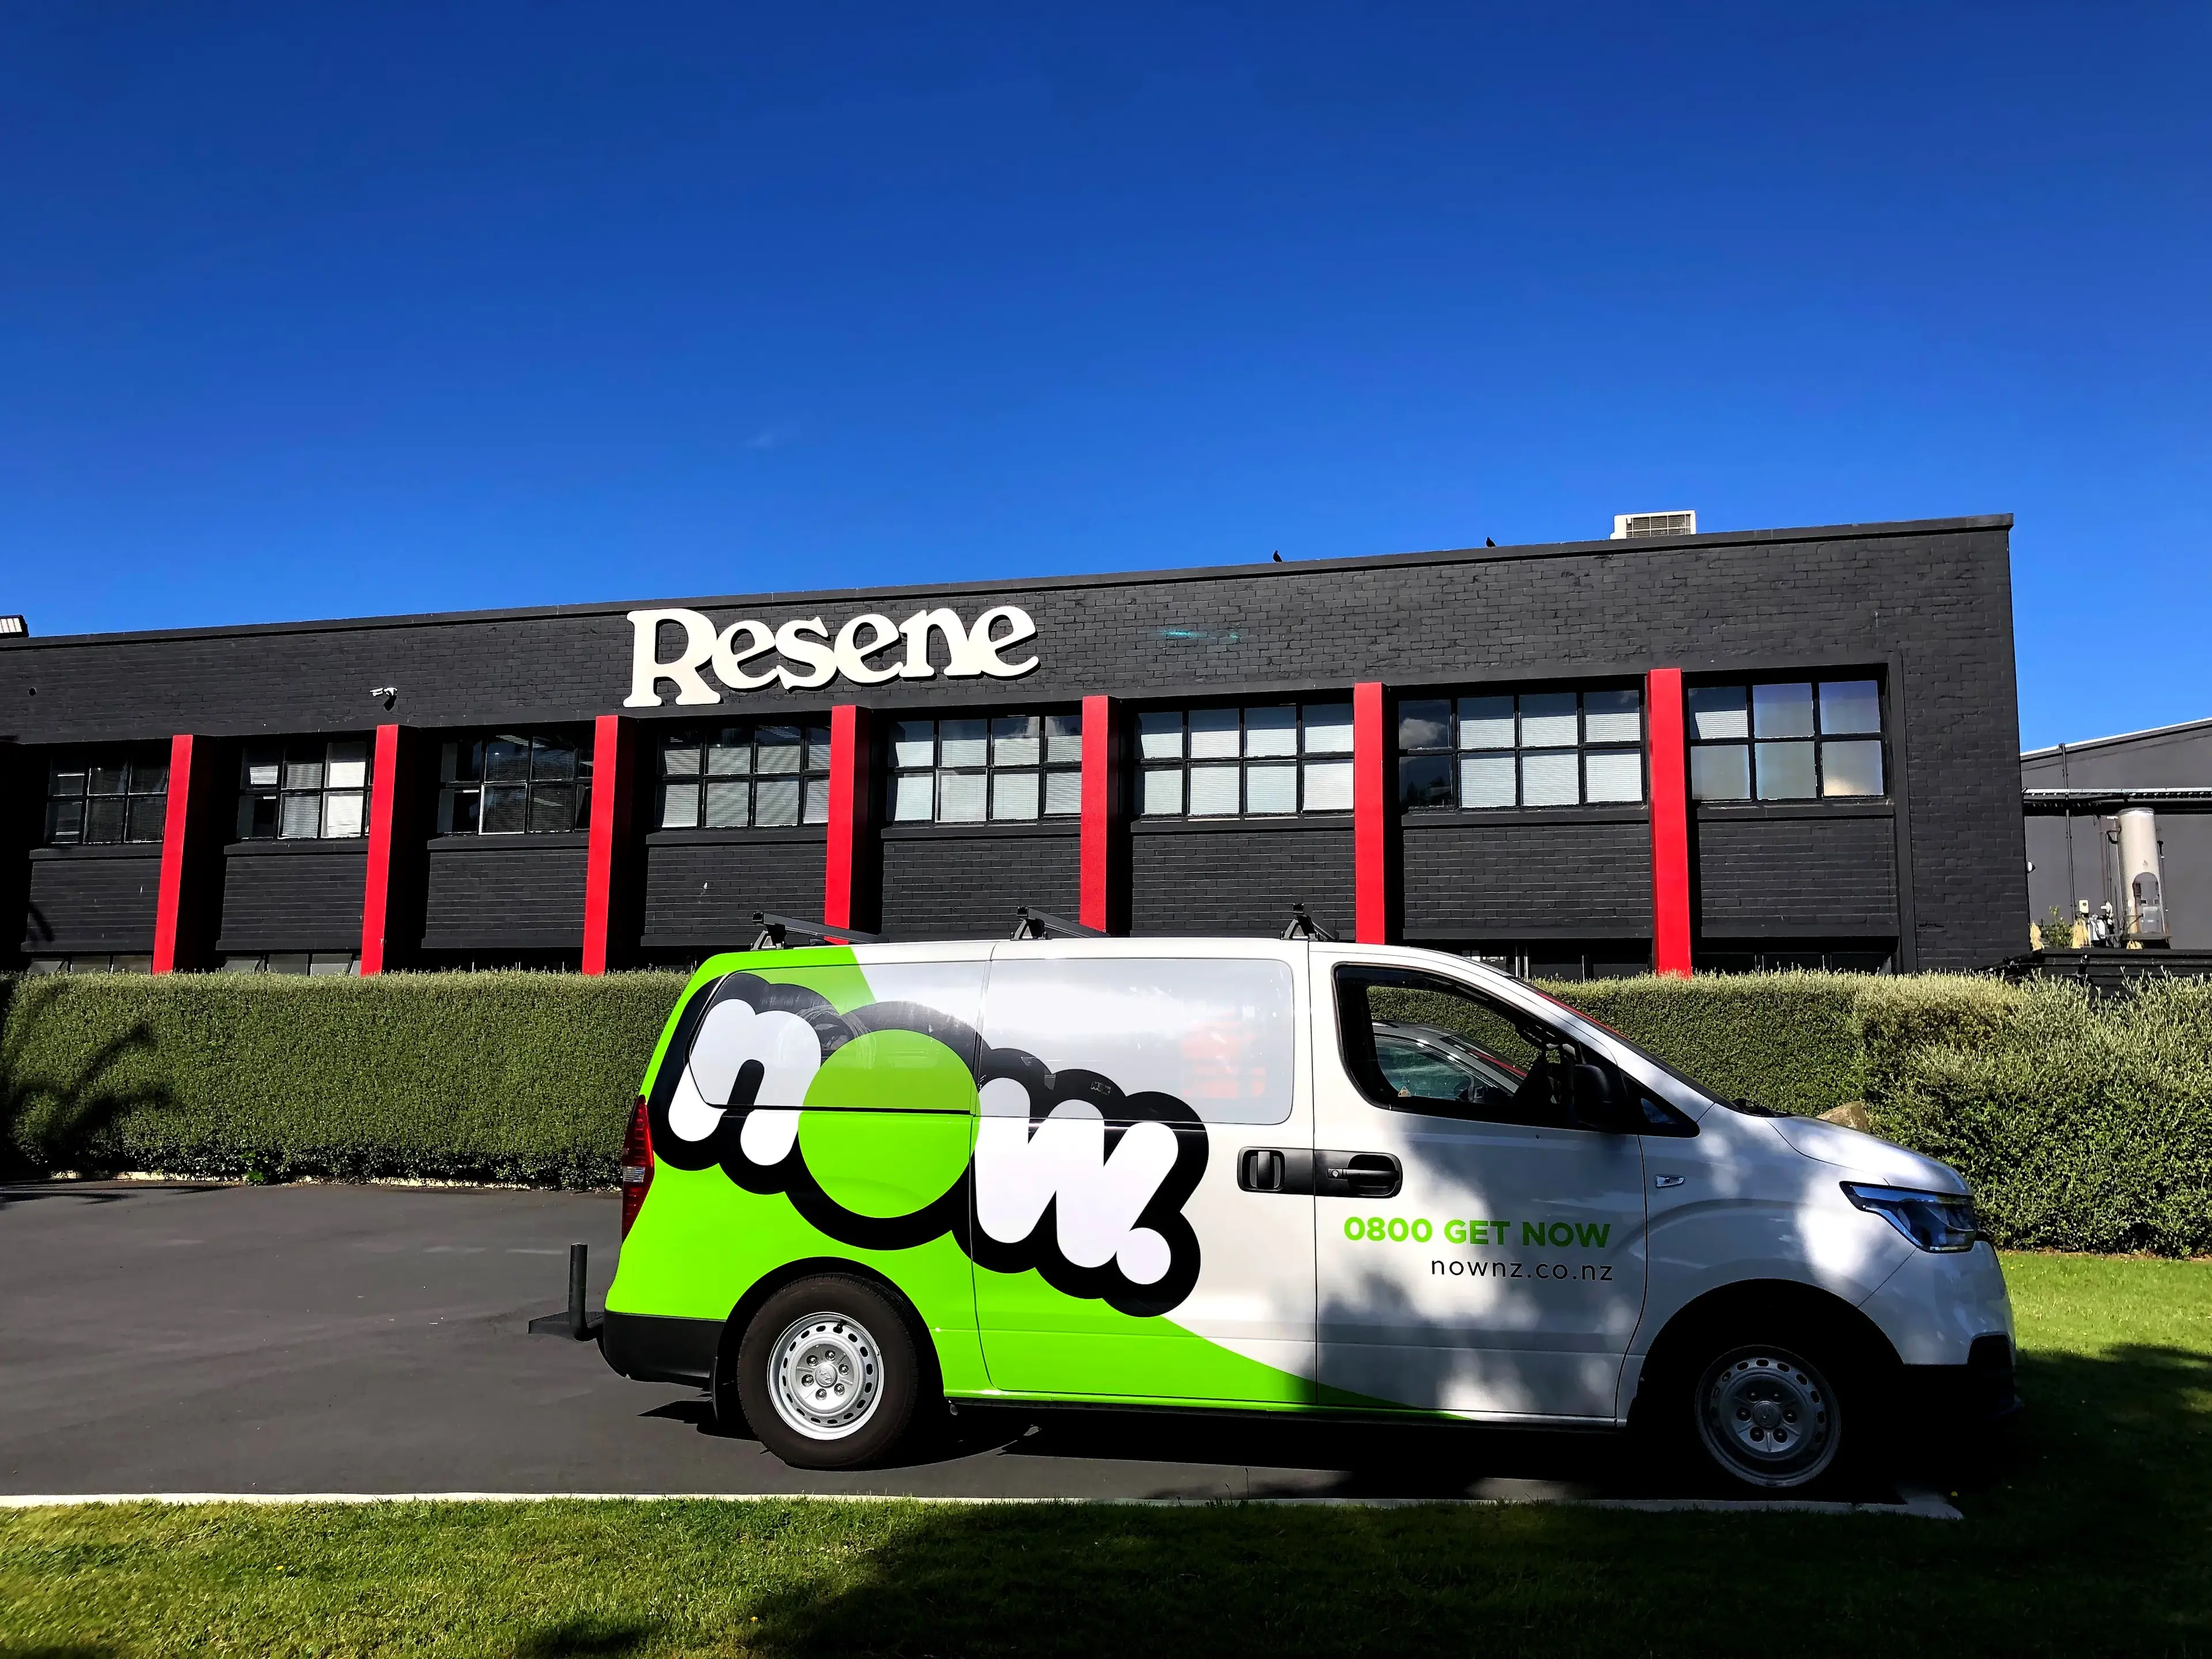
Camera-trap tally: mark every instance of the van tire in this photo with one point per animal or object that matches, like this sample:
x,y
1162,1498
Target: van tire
x,y
828,1374
1768,1406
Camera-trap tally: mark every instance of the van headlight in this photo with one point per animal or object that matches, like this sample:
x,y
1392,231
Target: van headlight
x,y
1933,1221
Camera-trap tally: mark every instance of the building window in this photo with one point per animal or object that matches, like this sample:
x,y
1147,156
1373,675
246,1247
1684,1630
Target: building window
x,y
101,962
515,783
1529,748
305,790
1788,740
107,797
730,777
1272,761
320,963
1011,768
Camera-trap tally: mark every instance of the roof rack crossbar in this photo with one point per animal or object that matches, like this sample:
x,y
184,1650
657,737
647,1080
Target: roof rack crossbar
x,y
774,930
1302,926
1032,923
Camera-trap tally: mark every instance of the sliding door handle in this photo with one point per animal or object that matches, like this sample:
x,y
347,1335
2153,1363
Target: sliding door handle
x,y
1358,1174
1275,1170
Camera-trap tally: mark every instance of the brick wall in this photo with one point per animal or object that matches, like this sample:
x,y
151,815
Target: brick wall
x,y
93,899
1764,874
1584,875
1929,605
293,896
940,882
701,895
503,895
1239,877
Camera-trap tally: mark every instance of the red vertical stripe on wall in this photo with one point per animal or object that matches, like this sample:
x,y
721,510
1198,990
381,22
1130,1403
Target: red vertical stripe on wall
x,y
1370,815
175,847
848,813
613,762
1670,824
1096,906
383,827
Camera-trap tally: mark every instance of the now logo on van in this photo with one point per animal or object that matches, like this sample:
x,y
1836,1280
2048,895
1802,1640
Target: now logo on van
x,y
891,1123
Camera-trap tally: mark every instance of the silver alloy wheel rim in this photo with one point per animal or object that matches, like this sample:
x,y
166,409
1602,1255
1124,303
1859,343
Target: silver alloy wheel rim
x,y
1768,1417
826,1376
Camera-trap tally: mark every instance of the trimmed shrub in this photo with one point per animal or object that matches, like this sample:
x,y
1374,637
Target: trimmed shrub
x,y
1789,1041
2082,1125
477,1076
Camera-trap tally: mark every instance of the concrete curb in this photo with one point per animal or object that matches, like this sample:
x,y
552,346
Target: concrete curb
x,y
1924,1506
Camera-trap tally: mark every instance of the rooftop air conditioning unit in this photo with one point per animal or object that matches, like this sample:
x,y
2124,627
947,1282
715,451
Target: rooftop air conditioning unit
x,y
1628,526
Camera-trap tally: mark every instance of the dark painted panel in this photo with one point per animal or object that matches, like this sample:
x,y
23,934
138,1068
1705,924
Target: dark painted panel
x,y
942,886
704,894
2075,859
508,896
93,904
1241,881
1570,877
288,899
1813,876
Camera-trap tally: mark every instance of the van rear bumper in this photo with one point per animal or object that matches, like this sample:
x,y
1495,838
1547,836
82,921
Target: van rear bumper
x,y
649,1348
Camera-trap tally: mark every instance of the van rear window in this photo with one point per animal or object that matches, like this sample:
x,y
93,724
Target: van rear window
x,y
1214,1033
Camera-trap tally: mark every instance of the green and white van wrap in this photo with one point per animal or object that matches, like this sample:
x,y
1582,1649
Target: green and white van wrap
x,y
1055,1151
836,1109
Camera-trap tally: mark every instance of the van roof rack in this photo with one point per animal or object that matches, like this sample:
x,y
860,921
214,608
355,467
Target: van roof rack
x,y
1302,926
775,931
1030,923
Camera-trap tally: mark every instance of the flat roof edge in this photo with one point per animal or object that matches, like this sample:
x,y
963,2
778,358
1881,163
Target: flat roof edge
x,y
1605,546
2117,737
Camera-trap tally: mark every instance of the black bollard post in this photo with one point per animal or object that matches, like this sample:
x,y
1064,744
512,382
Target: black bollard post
x,y
577,1327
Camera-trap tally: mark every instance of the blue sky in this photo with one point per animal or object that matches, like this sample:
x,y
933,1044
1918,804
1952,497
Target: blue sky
x,y
311,311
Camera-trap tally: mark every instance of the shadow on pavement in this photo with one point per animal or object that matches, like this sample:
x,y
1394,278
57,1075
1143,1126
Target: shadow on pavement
x,y
1305,1458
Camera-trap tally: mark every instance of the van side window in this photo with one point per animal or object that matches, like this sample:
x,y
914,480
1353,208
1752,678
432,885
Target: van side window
x,y
1214,1032
1414,1042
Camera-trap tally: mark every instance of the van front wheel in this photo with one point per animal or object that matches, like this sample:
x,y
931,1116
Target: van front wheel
x,y
827,1373
1769,1416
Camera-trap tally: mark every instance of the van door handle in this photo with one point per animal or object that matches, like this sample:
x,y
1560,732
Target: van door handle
x,y
1275,1170
1357,1175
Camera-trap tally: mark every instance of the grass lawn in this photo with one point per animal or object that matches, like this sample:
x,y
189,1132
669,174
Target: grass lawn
x,y
2092,1534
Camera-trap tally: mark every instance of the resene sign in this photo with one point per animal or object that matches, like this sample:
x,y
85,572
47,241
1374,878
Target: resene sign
x,y
807,655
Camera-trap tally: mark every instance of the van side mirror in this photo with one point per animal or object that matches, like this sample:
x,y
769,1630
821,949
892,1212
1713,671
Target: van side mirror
x,y
1594,1102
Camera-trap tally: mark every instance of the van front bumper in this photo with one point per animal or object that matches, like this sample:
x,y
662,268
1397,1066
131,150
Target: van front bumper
x,y
649,1348
1979,1391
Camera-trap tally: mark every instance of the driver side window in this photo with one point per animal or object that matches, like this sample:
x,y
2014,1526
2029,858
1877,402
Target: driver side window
x,y
1414,1042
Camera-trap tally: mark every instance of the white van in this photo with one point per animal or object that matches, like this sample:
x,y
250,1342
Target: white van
x,y
1286,1177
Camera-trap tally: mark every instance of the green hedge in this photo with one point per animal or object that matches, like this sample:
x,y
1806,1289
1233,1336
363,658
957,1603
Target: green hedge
x,y
1789,1040
472,1077
2082,1125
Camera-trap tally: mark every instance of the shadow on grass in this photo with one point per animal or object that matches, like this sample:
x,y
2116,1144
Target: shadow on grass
x,y
588,1638
2090,1532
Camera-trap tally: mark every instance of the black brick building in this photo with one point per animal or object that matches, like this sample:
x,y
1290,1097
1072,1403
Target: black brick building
x,y
1724,750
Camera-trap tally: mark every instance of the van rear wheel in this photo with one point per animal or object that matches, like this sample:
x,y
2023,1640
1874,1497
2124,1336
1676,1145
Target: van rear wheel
x,y
828,1375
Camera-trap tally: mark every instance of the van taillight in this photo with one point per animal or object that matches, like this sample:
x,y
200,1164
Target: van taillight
x,y
636,1173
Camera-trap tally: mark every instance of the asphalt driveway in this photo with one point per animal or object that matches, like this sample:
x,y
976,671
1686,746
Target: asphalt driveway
x,y
198,1337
